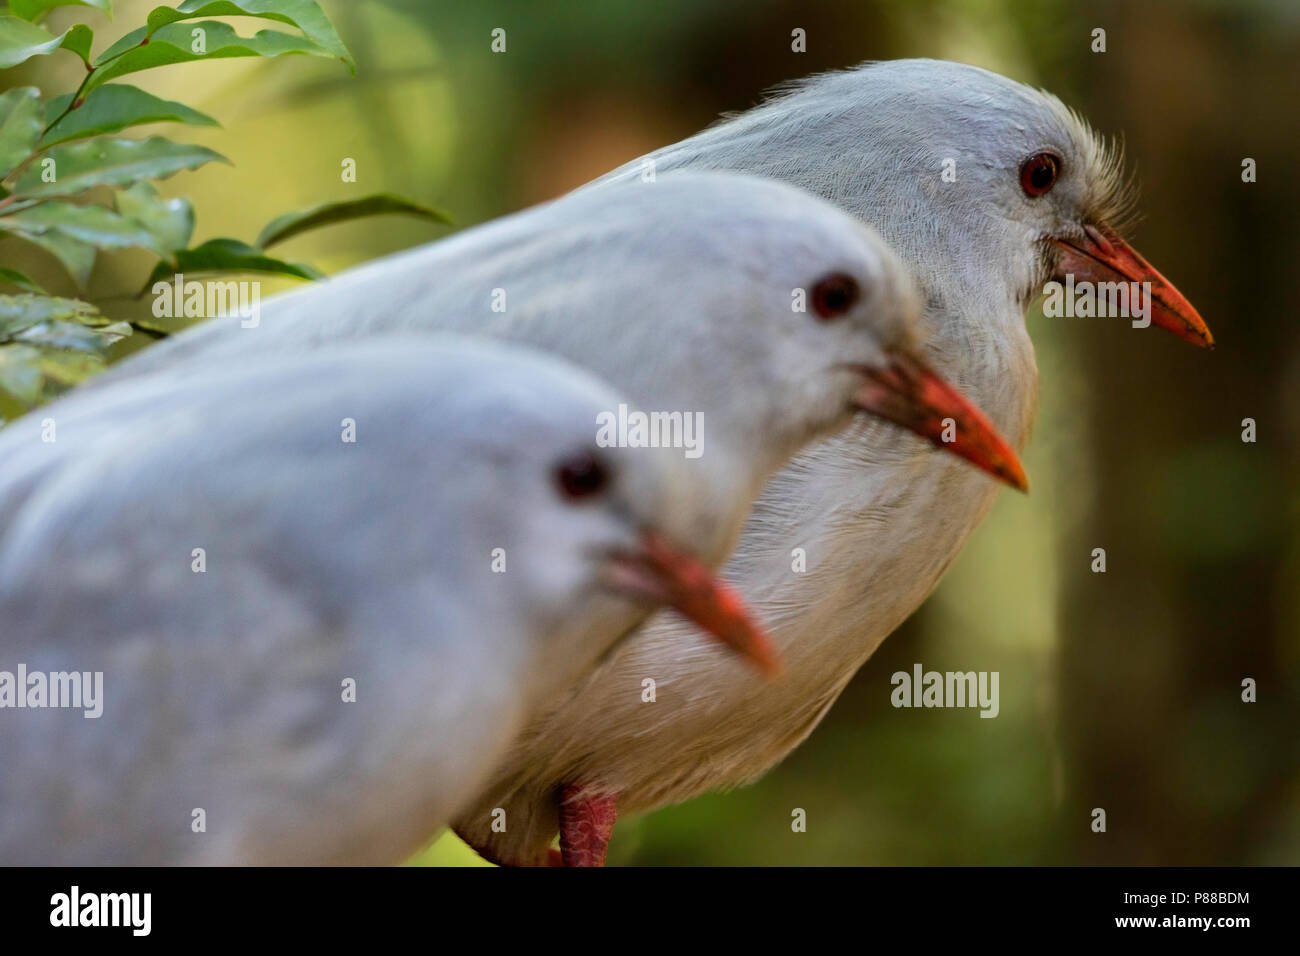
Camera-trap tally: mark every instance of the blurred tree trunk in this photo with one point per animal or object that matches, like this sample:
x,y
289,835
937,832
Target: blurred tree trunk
x,y
1196,524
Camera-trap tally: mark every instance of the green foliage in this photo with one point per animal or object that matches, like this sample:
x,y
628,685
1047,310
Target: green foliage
x,y
179,43
72,188
20,125
73,254
15,278
303,14
93,225
40,331
76,167
290,224
169,221
20,41
110,109
227,255
31,9
21,312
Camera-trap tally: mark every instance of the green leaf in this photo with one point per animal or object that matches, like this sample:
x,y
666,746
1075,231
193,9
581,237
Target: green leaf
x,y
74,255
31,9
169,221
228,255
53,341
78,39
20,41
306,15
111,162
293,223
115,107
94,225
15,278
20,312
18,118
20,372
61,334
66,369
173,44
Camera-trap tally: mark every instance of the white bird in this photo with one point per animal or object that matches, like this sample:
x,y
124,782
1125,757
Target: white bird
x,y
286,645
986,189
685,292
769,314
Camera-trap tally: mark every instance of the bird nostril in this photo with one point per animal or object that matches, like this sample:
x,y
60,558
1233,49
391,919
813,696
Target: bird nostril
x,y
1098,239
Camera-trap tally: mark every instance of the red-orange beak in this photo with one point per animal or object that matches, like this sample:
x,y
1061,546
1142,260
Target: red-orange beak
x,y
664,574
908,393
1102,256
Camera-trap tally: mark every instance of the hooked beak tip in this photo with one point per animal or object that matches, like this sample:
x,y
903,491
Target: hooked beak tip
x,y
910,394
1016,479
765,658
1101,256
663,573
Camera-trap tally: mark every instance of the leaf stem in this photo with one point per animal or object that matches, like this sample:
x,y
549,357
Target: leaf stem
x,y
76,101
77,97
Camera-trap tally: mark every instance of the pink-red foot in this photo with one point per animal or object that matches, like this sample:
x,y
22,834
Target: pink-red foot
x,y
586,823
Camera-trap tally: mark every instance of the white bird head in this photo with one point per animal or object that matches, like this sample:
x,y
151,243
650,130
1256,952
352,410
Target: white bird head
x,y
743,304
502,438
355,502
594,527
959,168
776,315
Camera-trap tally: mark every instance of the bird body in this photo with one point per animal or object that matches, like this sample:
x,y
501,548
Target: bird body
x,y
702,268
307,654
680,293
878,516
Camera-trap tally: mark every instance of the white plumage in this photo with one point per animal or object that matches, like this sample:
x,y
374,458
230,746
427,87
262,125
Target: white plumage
x,y
225,733
679,292
880,515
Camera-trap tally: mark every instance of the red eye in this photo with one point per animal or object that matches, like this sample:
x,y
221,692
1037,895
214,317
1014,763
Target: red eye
x,y
1038,174
580,476
834,295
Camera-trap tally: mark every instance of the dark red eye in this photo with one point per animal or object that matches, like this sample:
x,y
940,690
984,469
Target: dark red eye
x,y
581,475
1038,174
834,295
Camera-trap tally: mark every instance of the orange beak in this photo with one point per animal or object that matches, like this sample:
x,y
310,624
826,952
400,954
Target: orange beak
x,y
664,574
909,393
1103,256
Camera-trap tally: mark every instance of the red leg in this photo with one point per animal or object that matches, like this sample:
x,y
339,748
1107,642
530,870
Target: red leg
x,y
586,822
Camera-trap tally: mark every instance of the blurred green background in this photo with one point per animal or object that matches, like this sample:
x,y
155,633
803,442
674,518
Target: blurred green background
x,y
1119,690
